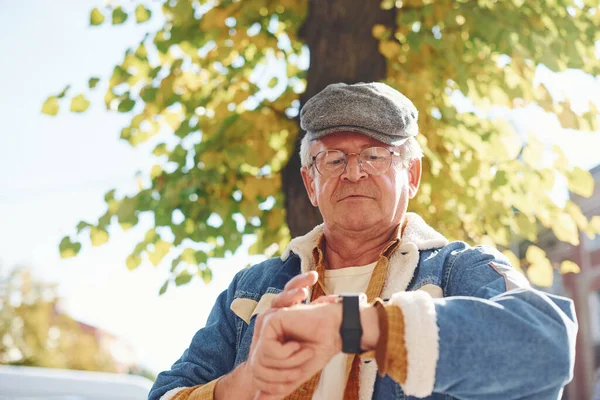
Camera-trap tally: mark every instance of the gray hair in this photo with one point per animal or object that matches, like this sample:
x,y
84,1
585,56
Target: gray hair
x,y
410,150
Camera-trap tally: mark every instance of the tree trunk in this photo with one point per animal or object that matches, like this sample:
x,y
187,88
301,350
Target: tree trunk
x,y
342,49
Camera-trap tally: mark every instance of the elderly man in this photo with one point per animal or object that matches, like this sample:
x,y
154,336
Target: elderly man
x,y
435,320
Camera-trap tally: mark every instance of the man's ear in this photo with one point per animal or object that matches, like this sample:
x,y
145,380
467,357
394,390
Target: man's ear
x,y
414,177
309,184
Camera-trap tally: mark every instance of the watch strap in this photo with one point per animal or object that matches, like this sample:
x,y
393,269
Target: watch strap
x,y
351,329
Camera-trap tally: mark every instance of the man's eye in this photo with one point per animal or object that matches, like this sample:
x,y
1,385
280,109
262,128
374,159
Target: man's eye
x,y
335,162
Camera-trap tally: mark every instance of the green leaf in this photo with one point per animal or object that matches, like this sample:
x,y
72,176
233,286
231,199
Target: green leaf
x,y
160,150
79,103
64,92
201,257
501,179
96,17
148,94
118,16
183,278
475,167
163,288
126,105
142,14
82,225
50,106
93,82
68,248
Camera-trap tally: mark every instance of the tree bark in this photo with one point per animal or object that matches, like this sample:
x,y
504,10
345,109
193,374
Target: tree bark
x,y
342,49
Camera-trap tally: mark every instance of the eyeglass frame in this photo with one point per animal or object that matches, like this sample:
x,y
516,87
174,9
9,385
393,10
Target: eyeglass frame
x,y
346,156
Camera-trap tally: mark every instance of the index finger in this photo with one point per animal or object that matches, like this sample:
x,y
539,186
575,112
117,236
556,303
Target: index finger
x,y
307,279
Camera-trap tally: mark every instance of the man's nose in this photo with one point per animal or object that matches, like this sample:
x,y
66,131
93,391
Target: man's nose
x,y
353,171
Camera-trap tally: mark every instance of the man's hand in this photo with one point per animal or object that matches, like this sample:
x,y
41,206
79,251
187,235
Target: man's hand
x,y
312,329
296,290
293,345
239,383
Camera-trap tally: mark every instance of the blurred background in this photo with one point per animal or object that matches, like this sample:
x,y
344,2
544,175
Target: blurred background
x,y
150,152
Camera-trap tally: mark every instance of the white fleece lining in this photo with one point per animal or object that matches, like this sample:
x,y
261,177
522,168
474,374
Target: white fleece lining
x,y
417,236
421,336
171,393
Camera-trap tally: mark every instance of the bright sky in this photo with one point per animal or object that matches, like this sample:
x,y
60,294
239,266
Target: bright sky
x,y
54,172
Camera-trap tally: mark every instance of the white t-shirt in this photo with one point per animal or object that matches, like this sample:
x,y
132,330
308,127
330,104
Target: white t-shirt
x,y
332,382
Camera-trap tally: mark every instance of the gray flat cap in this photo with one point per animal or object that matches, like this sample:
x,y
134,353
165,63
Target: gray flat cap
x,y
375,109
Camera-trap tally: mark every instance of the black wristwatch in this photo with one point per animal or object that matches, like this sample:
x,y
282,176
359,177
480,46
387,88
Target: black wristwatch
x,y
351,329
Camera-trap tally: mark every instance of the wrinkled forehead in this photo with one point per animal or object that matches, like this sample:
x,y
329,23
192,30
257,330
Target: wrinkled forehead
x,y
347,142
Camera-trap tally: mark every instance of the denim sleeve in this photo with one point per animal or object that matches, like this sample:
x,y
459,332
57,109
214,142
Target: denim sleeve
x,y
211,353
498,340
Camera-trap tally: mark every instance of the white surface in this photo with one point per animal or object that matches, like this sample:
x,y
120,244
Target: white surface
x,y
28,383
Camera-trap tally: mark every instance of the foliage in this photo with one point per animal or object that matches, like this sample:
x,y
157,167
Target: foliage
x,y
225,122
34,332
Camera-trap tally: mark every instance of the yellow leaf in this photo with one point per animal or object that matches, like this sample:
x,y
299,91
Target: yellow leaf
x,y
172,119
387,4
561,162
595,223
389,48
534,254
133,261
155,171
498,96
540,270
565,229
533,153
250,189
161,248
50,106
567,118
569,266
378,31
275,220
544,98
575,212
581,182
189,256
96,17
79,103
142,14
512,259
98,236
541,274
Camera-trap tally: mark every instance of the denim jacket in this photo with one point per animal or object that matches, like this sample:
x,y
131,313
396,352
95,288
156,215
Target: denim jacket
x,y
474,328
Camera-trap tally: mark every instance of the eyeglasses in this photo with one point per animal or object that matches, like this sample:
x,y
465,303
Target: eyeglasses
x,y
373,161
